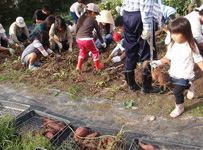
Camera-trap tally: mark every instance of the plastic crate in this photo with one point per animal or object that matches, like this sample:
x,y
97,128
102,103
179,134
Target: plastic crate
x,y
162,145
31,122
65,141
14,109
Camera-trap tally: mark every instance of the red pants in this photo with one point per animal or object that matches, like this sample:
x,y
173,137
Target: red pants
x,y
86,45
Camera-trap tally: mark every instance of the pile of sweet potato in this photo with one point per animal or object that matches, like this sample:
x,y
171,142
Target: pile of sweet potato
x,y
87,141
51,127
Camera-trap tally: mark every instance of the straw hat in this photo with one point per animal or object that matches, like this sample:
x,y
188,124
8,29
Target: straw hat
x,y
20,21
1,29
105,16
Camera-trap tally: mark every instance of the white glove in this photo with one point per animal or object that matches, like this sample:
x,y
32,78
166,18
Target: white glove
x,y
90,53
116,59
146,34
57,55
52,58
11,50
10,42
156,63
168,38
70,50
60,45
104,45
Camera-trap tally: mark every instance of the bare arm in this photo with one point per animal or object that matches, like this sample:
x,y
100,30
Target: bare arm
x,y
164,60
200,64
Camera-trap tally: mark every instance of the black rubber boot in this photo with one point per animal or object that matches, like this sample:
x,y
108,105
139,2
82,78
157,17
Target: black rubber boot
x,y
130,79
147,85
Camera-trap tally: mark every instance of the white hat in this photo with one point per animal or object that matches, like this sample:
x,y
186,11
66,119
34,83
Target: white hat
x,y
105,16
93,7
20,21
1,29
200,8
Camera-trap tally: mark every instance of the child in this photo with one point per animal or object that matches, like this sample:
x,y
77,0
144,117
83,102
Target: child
x,y
4,40
182,53
41,14
107,27
76,10
18,31
84,37
43,26
34,51
118,39
60,35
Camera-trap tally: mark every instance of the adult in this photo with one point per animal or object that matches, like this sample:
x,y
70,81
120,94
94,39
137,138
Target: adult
x,y
60,35
18,31
41,14
137,25
192,4
160,2
196,20
77,9
43,26
107,28
4,40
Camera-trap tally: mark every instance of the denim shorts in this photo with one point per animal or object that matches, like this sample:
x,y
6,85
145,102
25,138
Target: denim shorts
x,y
182,82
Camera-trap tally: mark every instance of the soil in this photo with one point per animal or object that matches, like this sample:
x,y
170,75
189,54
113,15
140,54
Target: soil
x,y
109,83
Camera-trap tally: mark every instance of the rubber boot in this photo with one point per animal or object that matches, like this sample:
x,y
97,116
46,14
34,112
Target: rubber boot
x,y
189,11
147,85
177,111
130,79
79,65
98,66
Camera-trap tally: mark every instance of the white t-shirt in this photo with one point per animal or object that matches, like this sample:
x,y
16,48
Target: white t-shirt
x,y
196,26
77,9
182,60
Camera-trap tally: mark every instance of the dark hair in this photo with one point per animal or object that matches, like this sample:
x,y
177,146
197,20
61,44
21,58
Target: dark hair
x,y
46,8
81,1
119,21
106,27
50,20
182,25
43,37
59,21
201,12
82,18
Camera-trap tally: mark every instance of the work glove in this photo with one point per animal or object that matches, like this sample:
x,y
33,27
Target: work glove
x,y
11,50
70,50
90,53
60,45
10,42
116,59
168,38
146,34
104,45
58,55
156,63
52,58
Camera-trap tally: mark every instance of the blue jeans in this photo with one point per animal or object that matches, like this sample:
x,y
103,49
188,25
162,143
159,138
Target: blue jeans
x,y
182,82
108,39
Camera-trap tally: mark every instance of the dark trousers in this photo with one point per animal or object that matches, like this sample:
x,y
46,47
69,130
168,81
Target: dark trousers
x,y
22,37
64,43
136,49
178,92
4,43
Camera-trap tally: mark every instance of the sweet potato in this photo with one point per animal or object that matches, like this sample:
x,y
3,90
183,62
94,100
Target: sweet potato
x,y
107,143
89,144
48,130
92,135
61,124
49,135
45,119
102,143
81,131
47,122
54,126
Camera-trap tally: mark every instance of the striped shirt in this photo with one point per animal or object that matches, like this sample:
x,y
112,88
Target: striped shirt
x,y
158,15
144,6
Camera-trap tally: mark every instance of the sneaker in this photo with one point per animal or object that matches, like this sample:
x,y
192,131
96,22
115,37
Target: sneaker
x,y
190,93
177,111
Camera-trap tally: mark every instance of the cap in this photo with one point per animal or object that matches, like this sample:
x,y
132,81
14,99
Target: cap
x,y
200,8
1,29
117,36
20,21
93,7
